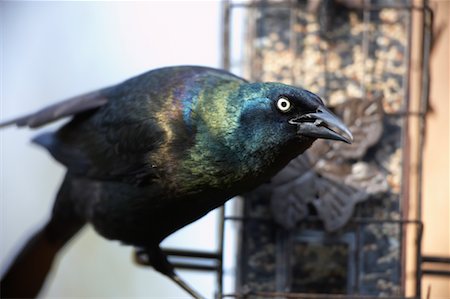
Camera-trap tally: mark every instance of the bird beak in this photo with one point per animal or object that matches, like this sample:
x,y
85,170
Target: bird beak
x,y
322,124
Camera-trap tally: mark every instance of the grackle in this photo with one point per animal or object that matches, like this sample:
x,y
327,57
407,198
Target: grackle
x,y
148,156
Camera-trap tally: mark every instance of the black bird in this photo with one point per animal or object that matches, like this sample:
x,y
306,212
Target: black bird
x,y
148,156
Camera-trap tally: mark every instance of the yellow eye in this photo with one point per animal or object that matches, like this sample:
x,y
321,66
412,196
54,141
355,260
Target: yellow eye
x,y
283,104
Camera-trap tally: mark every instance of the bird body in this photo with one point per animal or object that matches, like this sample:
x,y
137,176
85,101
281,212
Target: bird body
x,y
164,139
155,153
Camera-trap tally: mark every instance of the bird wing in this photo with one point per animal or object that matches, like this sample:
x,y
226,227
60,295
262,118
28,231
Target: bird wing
x,y
109,144
115,132
106,145
60,110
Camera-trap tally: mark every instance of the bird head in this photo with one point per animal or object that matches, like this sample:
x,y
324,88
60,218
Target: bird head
x,y
274,113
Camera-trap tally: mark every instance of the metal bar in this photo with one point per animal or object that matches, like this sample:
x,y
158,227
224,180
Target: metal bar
x,y
426,47
226,64
192,253
220,253
436,272
188,265
257,45
435,259
426,44
293,39
244,218
405,188
226,34
419,260
249,51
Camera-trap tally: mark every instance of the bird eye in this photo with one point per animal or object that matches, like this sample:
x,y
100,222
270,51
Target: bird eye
x,y
283,104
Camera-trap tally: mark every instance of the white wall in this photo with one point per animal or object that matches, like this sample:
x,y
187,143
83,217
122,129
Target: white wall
x,y
53,50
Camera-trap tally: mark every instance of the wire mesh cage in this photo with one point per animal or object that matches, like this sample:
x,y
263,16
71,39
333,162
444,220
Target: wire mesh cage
x,y
335,220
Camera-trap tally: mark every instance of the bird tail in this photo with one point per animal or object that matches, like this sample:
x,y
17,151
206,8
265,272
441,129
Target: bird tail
x,y
69,107
27,273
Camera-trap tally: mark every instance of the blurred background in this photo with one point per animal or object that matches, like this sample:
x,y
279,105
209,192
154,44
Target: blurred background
x,y
382,64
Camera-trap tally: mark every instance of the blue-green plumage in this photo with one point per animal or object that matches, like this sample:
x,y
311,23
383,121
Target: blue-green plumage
x,y
148,156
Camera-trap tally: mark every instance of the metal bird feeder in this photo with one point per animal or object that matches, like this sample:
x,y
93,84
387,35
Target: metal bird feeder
x,y
335,222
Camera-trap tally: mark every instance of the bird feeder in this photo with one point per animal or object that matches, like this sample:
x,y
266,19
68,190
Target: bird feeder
x,y
337,220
